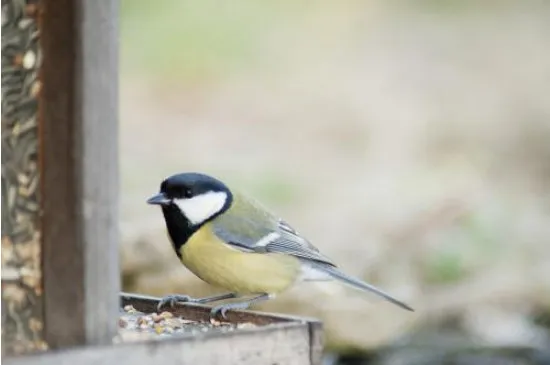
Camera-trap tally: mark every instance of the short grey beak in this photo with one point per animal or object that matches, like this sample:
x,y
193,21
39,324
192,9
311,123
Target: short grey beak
x,y
158,199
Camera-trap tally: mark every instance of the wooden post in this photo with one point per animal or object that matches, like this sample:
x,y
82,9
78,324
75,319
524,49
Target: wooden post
x,y
79,110
75,142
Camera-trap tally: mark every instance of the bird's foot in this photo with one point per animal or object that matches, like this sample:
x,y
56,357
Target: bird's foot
x,y
221,310
171,300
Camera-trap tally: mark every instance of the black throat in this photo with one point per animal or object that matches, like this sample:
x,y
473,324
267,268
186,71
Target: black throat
x,y
178,226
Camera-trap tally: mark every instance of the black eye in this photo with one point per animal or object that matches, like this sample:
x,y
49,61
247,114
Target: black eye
x,y
186,192
178,191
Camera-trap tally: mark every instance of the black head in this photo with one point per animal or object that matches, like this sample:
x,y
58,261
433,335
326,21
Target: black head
x,y
188,201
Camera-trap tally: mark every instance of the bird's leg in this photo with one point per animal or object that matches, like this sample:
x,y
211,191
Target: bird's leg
x,y
172,299
223,308
215,298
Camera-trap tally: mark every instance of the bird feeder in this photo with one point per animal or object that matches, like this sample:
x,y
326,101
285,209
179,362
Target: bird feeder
x,y
61,300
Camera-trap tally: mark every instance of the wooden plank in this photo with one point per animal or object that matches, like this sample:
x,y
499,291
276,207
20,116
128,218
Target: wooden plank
x,y
79,134
282,344
22,322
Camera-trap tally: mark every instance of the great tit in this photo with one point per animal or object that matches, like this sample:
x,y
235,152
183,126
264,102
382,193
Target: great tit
x,y
230,241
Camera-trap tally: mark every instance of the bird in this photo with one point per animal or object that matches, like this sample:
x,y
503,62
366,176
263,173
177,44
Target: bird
x,y
231,241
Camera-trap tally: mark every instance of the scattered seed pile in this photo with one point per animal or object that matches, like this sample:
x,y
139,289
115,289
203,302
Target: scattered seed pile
x,y
134,324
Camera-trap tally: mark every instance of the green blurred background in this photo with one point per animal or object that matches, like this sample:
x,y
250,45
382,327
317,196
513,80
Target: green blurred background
x,y
410,141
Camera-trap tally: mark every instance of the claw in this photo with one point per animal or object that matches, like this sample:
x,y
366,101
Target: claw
x,y
219,310
172,300
214,312
222,309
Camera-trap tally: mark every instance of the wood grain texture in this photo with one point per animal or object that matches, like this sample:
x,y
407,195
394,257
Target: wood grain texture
x,y
316,342
79,130
22,325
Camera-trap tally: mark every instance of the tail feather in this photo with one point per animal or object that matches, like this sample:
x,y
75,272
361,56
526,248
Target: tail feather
x,y
359,284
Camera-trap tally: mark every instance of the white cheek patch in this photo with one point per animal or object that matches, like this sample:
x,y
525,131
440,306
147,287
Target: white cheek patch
x,y
201,207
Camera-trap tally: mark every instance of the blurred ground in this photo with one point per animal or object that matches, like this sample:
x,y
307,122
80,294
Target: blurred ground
x,y
409,143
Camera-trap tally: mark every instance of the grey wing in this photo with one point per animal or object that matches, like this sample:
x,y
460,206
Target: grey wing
x,y
266,235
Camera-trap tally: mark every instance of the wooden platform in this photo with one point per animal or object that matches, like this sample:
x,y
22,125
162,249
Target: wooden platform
x,y
273,339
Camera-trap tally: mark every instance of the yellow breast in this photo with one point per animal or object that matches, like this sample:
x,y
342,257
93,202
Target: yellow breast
x,y
246,273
